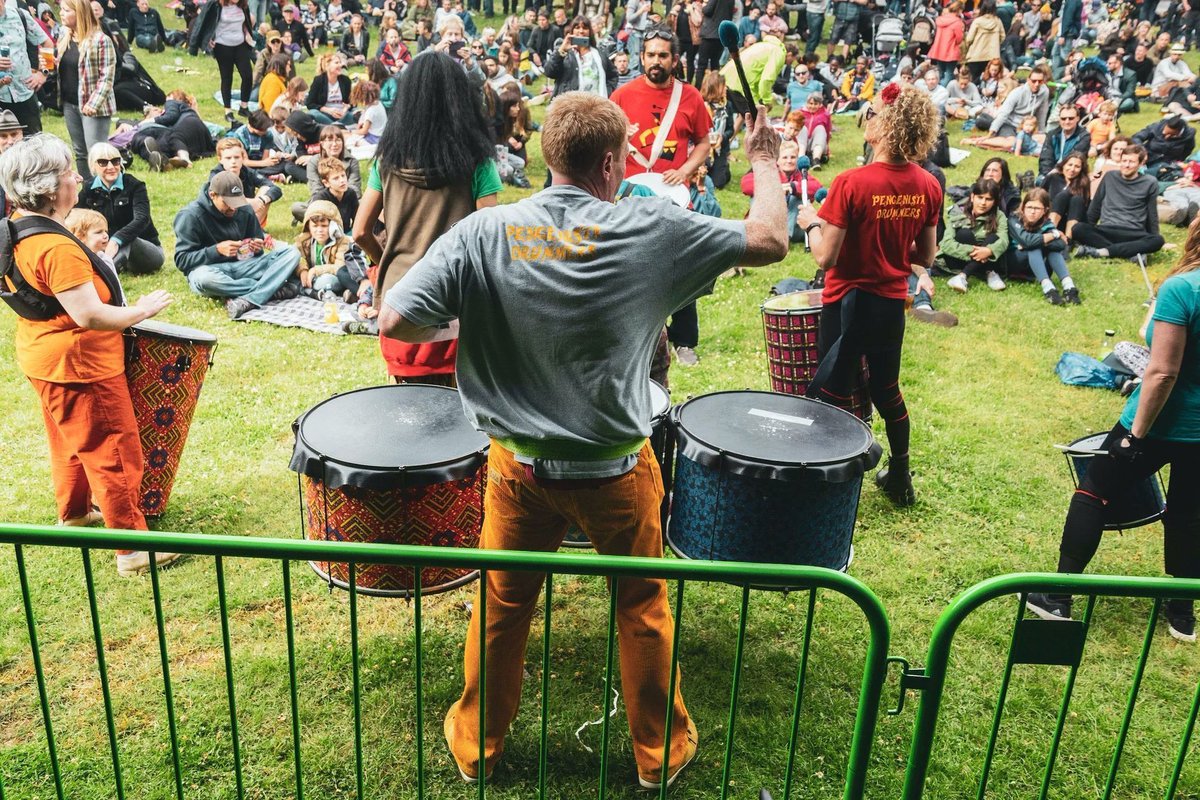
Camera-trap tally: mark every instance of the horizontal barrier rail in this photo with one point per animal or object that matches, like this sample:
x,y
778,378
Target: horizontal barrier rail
x,y
1039,641
221,548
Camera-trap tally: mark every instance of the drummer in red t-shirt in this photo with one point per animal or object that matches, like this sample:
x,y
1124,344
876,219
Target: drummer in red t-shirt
x,y
647,101
863,237
675,153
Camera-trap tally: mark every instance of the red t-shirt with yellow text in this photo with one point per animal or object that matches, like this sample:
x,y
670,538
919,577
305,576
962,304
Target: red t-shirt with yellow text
x,y
882,207
644,104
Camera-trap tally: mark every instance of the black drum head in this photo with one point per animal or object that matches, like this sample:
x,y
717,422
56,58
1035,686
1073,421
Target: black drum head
x,y
775,435
417,433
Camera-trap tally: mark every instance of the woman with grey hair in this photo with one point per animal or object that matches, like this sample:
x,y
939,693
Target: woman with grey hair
x,y
133,242
69,344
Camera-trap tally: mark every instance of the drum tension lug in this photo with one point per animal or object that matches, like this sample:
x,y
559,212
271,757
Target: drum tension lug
x,y
910,678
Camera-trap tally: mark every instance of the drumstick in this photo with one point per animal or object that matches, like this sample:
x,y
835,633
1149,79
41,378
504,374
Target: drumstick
x,y
802,165
727,32
1066,448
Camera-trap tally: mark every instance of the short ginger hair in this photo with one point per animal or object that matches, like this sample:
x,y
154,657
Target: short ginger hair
x,y
580,128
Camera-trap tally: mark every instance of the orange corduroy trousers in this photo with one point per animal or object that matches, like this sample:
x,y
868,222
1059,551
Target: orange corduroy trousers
x,y
95,452
620,518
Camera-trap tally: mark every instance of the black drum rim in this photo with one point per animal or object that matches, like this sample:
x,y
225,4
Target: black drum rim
x,y
705,453
151,327
425,474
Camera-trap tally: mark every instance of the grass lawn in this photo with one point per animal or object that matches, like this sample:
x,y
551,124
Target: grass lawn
x,y
986,408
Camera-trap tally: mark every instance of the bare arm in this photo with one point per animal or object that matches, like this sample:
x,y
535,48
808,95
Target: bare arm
x,y
87,310
364,223
826,243
1166,355
766,224
394,326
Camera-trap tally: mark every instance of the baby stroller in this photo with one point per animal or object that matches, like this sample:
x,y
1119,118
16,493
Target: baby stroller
x,y
922,31
1088,89
887,37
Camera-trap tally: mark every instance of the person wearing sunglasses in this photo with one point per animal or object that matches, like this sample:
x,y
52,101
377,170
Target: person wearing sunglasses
x,y
1030,99
133,243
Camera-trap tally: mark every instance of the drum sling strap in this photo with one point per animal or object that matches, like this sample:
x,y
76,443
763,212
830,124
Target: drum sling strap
x,y
27,302
830,359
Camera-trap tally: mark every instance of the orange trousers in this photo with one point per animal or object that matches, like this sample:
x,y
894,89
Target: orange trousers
x,y
620,518
95,450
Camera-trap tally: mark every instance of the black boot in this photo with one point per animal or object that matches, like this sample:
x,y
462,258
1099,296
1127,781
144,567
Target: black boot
x,y
896,481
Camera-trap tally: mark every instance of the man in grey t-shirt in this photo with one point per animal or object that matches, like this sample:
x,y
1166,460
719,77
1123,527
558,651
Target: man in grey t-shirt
x,y
558,301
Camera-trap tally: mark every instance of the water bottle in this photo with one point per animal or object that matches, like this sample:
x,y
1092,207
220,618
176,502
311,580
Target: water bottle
x,y
5,77
1106,346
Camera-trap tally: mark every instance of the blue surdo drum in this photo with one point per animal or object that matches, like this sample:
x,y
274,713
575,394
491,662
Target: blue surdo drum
x,y
664,448
767,477
1140,504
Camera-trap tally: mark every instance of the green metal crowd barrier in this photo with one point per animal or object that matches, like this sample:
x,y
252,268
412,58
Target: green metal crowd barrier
x,y
1036,641
808,580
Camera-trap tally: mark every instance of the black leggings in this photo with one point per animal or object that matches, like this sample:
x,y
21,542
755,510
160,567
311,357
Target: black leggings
x,y
1106,475
877,332
228,58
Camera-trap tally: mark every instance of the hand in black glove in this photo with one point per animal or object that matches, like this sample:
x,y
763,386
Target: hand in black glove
x,y
1128,449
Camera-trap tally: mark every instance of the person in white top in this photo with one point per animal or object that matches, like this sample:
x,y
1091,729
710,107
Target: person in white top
x,y
1171,73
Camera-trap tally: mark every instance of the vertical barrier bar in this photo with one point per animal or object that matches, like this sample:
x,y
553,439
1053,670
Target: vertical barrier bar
x,y
166,668
1183,745
483,575
796,706
102,665
1133,693
733,694
35,651
608,667
420,667
1068,691
543,747
291,646
233,725
671,687
358,749
990,752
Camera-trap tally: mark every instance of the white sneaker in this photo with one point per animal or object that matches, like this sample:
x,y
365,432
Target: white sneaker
x,y
733,143
958,283
995,282
138,562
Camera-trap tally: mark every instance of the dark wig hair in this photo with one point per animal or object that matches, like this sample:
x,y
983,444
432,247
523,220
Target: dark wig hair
x,y
984,187
436,123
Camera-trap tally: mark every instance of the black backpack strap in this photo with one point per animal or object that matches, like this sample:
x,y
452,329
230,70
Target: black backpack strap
x,y
27,301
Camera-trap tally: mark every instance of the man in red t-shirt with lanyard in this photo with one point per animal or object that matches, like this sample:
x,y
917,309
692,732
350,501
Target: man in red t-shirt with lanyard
x,y
668,134
877,227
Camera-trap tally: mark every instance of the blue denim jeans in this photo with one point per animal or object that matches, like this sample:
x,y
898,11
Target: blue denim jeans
x,y
255,279
920,298
816,27
1039,259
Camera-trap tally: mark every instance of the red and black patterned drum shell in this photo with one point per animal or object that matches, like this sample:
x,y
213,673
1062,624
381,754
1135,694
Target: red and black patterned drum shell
x,y
165,368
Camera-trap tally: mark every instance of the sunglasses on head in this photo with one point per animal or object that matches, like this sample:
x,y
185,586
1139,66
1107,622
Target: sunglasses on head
x,y
109,162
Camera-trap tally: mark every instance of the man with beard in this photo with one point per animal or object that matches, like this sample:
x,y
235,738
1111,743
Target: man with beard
x,y
648,101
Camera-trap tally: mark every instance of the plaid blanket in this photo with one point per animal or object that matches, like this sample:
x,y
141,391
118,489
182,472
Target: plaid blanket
x,y
301,312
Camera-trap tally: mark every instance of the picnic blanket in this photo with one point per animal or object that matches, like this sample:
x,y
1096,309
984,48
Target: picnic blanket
x,y
301,312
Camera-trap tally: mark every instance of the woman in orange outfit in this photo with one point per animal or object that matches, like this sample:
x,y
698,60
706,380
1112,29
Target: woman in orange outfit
x,y
71,312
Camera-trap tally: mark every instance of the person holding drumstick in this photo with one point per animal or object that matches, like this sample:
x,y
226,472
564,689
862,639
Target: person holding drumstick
x,y
562,297
876,228
1160,426
70,346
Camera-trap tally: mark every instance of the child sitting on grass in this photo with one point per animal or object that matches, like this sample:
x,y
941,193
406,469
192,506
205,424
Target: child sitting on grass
x,y
328,268
1038,243
976,237
1103,128
816,130
337,191
91,228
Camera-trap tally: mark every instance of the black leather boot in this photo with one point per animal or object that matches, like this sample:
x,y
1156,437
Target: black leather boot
x,y
896,481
